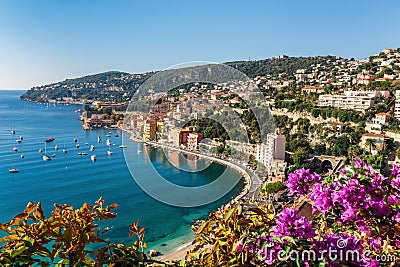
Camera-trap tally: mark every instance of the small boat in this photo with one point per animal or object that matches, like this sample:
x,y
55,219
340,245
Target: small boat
x,y
13,170
139,151
108,143
22,156
15,149
92,148
21,138
75,140
93,157
53,155
49,140
86,144
122,146
77,145
116,135
56,147
84,153
98,139
65,151
40,150
12,131
80,153
108,135
45,157
109,152
18,141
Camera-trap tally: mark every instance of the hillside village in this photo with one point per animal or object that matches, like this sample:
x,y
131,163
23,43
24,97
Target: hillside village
x,y
324,113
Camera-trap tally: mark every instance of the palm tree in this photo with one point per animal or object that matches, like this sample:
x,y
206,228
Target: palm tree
x,y
370,143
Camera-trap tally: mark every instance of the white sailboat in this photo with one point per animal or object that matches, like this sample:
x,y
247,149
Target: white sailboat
x,y
109,152
92,148
13,170
45,156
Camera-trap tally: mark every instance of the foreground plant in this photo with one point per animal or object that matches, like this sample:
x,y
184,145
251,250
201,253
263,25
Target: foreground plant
x,y
64,237
355,221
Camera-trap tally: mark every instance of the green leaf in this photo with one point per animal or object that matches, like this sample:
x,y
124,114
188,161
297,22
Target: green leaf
x,y
18,251
277,238
289,239
229,215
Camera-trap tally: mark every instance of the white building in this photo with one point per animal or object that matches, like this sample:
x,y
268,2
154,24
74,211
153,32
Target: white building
x,y
397,105
273,149
356,100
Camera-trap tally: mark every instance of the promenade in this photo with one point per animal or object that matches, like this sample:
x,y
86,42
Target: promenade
x,y
252,182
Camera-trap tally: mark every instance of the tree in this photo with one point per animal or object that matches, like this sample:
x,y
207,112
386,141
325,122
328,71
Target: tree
x,y
220,149
315,112
370,143
342,144
299,156
354,151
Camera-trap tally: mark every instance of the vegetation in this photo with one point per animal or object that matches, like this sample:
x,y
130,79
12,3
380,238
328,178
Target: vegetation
x,y
272,188
66,238
275,66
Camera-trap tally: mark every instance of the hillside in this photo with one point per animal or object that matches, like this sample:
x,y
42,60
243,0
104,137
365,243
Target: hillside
x,y
120,86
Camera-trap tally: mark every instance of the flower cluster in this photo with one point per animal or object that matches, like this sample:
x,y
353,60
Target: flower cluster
x,y
300,181
363,208
290,223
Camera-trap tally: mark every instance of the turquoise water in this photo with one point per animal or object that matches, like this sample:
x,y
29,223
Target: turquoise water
x,y
73,179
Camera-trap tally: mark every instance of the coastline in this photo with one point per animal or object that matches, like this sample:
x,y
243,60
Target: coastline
x,y
251,181
236,167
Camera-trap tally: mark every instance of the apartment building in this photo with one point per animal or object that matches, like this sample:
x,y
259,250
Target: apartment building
x,y
272,149
355,100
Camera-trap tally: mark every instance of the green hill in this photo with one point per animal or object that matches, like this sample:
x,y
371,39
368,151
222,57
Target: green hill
x,y
119,86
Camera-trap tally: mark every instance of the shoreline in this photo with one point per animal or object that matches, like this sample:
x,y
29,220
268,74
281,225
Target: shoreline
x,y
241,170
178,253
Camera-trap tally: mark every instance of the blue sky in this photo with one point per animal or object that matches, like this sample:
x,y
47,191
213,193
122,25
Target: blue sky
x,y
50,40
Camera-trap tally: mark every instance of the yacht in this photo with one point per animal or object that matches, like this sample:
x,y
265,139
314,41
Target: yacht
x,y
92,148
45,157
93,157
49,140
122,146
13,170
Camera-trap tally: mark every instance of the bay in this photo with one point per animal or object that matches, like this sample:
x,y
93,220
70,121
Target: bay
x,y
73,179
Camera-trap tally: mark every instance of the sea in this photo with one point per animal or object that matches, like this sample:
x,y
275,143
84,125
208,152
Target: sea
x,y
69,178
